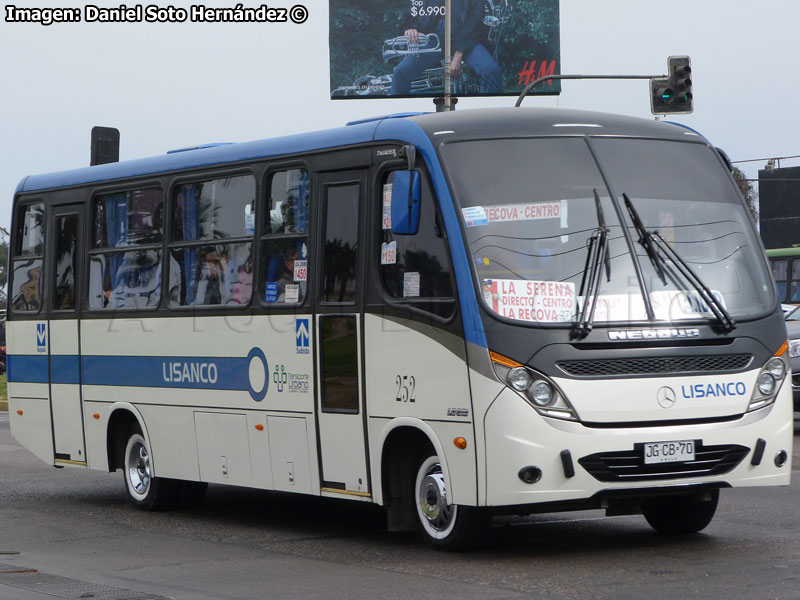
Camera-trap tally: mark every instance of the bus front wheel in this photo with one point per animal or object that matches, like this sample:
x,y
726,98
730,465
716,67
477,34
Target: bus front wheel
x,y
145,491
681,514
444,526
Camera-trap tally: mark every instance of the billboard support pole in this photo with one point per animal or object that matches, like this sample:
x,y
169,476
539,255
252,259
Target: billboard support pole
x,y
448,104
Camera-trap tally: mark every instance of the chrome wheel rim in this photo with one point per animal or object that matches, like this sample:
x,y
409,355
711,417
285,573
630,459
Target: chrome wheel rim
x,y
137,467
436,515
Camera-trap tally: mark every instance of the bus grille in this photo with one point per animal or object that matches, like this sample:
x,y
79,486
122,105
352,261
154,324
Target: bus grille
x,y
658,365
628,465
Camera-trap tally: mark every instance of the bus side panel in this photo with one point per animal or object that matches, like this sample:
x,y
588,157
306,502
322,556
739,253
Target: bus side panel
x,y
485,388
30,423
208,430
419,371
29,387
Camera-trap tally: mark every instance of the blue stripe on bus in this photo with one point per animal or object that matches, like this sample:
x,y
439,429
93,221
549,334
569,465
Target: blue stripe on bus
x,y
187,372
28,368
403,129
64,369
191,372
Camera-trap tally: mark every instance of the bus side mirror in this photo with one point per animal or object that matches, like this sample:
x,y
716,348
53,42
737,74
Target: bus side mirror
x,y
405,202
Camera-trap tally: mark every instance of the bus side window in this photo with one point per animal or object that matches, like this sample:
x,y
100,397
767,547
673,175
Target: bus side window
x,y
794,286
284,245
28,258
415,269
125,257
780,273
214,224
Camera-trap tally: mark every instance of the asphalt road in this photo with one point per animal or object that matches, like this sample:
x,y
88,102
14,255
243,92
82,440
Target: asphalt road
x,y
71,534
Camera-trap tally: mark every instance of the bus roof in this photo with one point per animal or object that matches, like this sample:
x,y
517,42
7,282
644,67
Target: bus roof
x,y
407,127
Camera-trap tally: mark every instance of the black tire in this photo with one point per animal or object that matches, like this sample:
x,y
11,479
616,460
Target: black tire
x,y
681,514
192,494
444,526
145,491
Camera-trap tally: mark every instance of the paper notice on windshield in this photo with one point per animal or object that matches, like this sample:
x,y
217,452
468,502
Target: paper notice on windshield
x,y
411,285
387,206
507,213
474,216
670,305
535,301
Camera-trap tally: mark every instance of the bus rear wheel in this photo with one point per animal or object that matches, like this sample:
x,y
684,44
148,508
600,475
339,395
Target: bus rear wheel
x,y
444,526
681,514
145,491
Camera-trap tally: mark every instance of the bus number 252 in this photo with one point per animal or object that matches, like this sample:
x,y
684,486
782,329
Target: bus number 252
x,y
406,385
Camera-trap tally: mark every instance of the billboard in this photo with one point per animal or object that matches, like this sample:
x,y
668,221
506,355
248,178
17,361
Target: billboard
x,y
395,48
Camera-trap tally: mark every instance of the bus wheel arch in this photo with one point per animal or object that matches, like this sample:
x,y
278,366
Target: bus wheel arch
x,y
415,481
402,449
123,420
129,449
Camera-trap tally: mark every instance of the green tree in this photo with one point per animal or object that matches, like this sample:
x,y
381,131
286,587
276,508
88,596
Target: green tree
x,y
748,191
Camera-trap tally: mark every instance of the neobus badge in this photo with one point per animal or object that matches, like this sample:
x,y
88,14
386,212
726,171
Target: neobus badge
x,y
652,334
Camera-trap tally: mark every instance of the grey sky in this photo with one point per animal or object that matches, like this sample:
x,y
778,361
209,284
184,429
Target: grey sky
x,y
167,86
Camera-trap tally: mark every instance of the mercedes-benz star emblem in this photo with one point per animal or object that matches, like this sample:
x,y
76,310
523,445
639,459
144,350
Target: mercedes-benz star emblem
x,y
666,397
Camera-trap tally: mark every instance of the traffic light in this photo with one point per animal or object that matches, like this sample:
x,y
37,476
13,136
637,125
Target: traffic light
x,y
680,74
673,93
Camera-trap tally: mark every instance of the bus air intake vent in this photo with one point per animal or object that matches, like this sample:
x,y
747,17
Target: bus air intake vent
x,y
657,365
628,465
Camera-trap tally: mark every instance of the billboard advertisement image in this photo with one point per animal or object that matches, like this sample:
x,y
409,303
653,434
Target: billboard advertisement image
x,y
395,48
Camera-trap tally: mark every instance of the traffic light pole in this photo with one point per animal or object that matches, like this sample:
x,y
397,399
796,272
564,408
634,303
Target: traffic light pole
x,y
536,82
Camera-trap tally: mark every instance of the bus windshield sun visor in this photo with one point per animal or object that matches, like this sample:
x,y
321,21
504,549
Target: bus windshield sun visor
x,y
597,259
659,251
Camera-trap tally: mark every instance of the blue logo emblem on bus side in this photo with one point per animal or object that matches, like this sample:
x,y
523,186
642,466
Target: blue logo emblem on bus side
x,y
302,335
41,337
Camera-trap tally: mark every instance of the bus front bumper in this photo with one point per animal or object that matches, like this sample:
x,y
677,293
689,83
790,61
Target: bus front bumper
x,y
572,462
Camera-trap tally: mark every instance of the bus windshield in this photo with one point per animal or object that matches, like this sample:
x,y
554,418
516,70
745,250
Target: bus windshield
x,y
532,209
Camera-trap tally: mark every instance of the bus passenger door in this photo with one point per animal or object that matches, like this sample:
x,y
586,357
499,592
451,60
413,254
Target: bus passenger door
x,y
66,278
339,319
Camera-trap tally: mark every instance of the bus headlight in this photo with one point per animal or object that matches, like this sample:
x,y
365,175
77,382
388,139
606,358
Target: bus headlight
x,y
519,379
766,383
776,367
541,393
769,379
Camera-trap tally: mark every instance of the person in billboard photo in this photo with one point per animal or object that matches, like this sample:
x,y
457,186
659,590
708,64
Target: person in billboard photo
x,y
468,38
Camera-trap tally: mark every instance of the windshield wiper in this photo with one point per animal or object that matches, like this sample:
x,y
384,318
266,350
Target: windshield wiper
x,y
653,243
597,258
646,240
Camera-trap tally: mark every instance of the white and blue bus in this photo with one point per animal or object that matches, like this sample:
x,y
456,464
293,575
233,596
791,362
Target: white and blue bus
x,y
454,315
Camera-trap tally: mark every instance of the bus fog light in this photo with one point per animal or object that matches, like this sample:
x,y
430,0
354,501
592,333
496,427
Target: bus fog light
x,y
530,474
542,393
519,379
780,458
766,383
776,367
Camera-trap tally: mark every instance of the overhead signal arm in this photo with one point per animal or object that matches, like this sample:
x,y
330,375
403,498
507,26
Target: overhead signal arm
x,y
669,94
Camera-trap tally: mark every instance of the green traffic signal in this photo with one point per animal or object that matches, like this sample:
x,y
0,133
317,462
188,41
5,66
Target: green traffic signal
x,y
673,93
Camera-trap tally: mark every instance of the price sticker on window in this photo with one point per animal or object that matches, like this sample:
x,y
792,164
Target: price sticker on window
x,y
300,270
389,253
